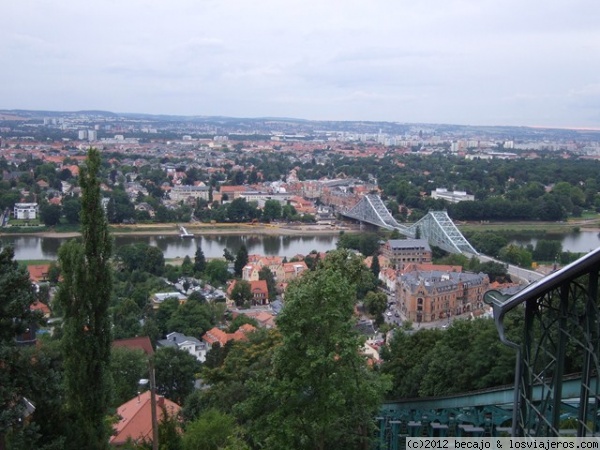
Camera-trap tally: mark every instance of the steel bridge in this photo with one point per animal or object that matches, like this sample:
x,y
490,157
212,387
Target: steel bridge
x,y
436,226
559,333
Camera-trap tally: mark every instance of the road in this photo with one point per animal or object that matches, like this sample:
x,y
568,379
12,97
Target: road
x,y
515,271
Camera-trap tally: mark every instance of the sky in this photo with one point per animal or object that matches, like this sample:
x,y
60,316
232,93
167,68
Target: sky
x,y
470,62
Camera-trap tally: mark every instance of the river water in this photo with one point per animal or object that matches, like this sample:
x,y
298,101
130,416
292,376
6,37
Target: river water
x,y
35,247
580,242
173,246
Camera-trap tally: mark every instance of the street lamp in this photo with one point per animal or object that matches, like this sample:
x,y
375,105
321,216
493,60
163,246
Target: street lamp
x,y
152,382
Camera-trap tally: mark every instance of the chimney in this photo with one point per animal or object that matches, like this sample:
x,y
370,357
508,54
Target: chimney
x,y
160,401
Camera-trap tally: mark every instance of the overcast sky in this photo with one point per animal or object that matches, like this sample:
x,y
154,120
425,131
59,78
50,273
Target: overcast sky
x,y
480,62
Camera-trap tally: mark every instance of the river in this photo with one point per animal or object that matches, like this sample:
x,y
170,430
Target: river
x,y
576,242
36,247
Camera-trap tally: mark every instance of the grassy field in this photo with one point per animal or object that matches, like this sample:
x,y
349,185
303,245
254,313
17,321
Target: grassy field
x,y
35,262
549,227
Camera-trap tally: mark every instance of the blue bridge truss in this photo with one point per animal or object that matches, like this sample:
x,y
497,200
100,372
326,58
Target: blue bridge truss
x,y
436,226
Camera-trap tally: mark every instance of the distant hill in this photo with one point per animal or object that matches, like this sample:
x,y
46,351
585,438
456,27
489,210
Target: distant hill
x,y
263,124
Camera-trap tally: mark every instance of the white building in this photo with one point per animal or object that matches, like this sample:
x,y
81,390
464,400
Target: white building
x,y
452,197
160,297
92,135
188,344
27,211
183,192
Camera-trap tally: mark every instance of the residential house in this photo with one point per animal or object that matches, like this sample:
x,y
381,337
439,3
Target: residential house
x,y
388,279
135,419
38,272
186,343
160,297
136,343
260,292
293,270
259,289
216,335
264,318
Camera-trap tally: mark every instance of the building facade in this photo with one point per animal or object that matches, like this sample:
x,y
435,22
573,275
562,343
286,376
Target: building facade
x,y
452,197
406,251
184,192
26,211
436,295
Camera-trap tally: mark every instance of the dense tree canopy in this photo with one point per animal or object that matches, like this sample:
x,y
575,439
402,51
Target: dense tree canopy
x,y
175,373
16,318
331,401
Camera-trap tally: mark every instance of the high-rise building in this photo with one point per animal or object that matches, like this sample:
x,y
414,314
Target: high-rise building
x,y
82,135
92,135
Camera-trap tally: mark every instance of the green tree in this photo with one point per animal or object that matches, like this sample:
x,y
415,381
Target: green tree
x,y
265,274
513,254
366,243
211,431
241,260
187,267
72,209
375,268
141,257
16,297
192,318
330,402
228,256
376,304
127,367
217,271
240,320
50,214
175,373
547,250
271,211
126,319
199,260
241,293
84,295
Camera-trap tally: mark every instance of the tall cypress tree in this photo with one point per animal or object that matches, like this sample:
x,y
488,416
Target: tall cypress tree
x,y
241,260
84,295
199,260
375,268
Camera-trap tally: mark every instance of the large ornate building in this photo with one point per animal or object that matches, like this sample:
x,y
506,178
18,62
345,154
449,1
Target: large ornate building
x,y
425,296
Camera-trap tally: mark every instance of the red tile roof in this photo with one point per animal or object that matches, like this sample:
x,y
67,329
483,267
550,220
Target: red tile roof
x,y
39,306
136,418
140,342
216,335
38,272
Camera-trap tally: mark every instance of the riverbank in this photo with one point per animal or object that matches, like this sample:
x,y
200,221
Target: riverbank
x,y
548,227
223,229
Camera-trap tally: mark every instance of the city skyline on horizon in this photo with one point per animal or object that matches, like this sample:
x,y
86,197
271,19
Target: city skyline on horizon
x,y
435,62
